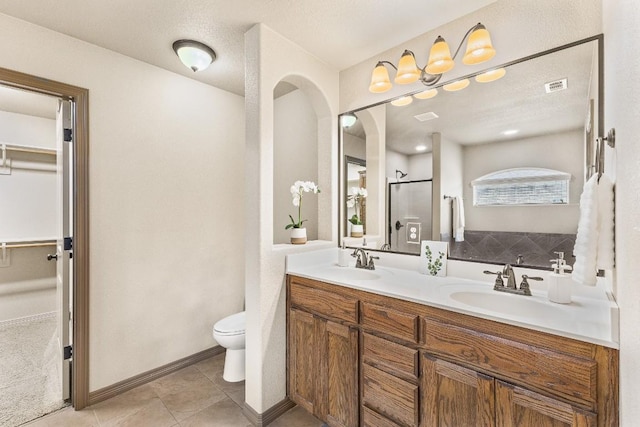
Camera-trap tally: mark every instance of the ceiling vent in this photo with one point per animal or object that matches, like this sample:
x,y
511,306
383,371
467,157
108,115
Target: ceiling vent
x,y
555,86
426,116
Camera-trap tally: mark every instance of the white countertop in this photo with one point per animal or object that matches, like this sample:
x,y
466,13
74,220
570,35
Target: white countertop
x,y
592,316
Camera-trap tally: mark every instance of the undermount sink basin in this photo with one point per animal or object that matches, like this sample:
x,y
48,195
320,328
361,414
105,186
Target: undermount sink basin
x,y
350,273
512,305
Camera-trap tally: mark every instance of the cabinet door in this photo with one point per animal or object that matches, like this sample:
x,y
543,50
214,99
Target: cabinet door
x,y
303,360
523,408
339,374
455,396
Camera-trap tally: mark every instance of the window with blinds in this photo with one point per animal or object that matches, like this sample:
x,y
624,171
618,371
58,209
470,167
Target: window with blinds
x,y
522,186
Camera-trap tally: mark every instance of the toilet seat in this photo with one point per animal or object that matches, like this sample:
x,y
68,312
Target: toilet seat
x,y
231,325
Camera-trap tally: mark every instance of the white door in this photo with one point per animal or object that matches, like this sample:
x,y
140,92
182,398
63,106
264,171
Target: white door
x,y
64,123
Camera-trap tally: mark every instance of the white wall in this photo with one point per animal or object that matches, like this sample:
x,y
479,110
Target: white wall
x,y
165,199
354,146
562,151
451,173
269,59
295,132
420,166
28,195
622,110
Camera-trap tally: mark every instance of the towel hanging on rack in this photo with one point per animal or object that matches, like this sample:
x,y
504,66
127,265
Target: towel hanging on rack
x,y
458,218
594,247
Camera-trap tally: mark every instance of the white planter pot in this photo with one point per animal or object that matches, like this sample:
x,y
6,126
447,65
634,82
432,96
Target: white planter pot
x,y
298,236
357,230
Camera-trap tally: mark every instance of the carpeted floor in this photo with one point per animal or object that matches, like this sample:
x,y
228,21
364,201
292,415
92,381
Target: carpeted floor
x,y
29,372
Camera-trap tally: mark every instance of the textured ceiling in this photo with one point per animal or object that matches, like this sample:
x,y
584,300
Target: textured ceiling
x,y
340,33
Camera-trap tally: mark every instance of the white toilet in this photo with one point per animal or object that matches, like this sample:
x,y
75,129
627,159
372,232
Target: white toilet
x,y
229,333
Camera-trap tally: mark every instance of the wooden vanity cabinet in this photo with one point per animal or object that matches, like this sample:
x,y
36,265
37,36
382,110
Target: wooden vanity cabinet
x,y
323,358
362,359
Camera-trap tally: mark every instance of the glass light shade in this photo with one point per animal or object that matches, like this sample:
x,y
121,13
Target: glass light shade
x,y
491,75
429,93
479,48
348,120
380,79
457,85
195,55
440,60
401,102
407,69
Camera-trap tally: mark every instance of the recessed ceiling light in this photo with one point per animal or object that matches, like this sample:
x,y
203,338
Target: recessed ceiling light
x,y
510,132
426,116
421,147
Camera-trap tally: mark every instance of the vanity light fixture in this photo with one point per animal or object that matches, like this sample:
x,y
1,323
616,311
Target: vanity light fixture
x,y
402,101
479,49
348,120
195,55
491,75
456,86
427,94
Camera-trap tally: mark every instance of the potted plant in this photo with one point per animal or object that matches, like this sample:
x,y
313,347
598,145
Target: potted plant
x,y
354,200
298,232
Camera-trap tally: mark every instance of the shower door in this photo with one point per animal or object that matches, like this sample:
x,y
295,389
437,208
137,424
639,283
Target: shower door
x,y
409,215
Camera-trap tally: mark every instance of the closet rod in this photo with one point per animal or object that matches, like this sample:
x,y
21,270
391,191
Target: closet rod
x,y
25,149
28,244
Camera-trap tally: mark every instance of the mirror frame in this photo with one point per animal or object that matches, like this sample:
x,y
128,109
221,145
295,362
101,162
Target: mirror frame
x,y
598,38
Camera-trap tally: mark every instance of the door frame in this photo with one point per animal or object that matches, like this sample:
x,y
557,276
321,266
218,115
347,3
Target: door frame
x,y
80,165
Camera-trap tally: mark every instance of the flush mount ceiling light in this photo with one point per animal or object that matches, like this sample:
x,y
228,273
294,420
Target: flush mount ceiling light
x,y
421,147
510,132
348,120
479,49
195,55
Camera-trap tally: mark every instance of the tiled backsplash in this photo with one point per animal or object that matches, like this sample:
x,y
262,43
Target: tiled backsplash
x,y
537,249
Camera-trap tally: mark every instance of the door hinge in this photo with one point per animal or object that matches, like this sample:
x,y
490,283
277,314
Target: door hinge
x,y
68,243
68,135
68,352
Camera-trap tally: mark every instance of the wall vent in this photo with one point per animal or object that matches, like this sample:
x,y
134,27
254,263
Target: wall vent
x,y
426,116
555,86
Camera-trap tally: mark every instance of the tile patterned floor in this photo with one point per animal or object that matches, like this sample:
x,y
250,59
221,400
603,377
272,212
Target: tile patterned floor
x,y
195,396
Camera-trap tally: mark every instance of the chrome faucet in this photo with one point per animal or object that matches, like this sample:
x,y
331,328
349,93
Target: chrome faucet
x,y
508,273
364,260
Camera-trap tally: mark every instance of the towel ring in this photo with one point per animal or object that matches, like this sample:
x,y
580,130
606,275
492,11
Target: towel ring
x,y
610,138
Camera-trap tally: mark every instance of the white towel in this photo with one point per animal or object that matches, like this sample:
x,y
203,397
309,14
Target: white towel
x,y
606,250
585,249
594,248
458,219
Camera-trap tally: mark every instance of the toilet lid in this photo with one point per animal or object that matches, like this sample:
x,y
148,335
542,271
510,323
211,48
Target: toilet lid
x,y
231,325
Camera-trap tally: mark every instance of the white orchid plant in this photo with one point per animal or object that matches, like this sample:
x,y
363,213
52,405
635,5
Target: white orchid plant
x,y
297,189
353,200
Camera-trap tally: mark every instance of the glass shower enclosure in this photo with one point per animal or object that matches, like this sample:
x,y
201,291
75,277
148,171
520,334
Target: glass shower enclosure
x,y
409,215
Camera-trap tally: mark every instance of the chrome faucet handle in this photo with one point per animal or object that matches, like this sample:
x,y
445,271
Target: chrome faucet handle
x,y
524,286
499,282
371,265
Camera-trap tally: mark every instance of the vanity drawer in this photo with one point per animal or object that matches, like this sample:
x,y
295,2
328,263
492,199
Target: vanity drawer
x,y
324,302
391,322
395,398
371,418
572,378
390,357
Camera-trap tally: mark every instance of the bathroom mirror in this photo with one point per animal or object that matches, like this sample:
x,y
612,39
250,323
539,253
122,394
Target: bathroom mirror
x,y
543,114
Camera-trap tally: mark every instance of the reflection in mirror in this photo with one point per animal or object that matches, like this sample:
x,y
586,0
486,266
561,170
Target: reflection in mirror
x,y
543,114
356,201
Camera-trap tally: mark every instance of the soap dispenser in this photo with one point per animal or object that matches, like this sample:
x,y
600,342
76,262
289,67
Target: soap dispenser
x,y
560,281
